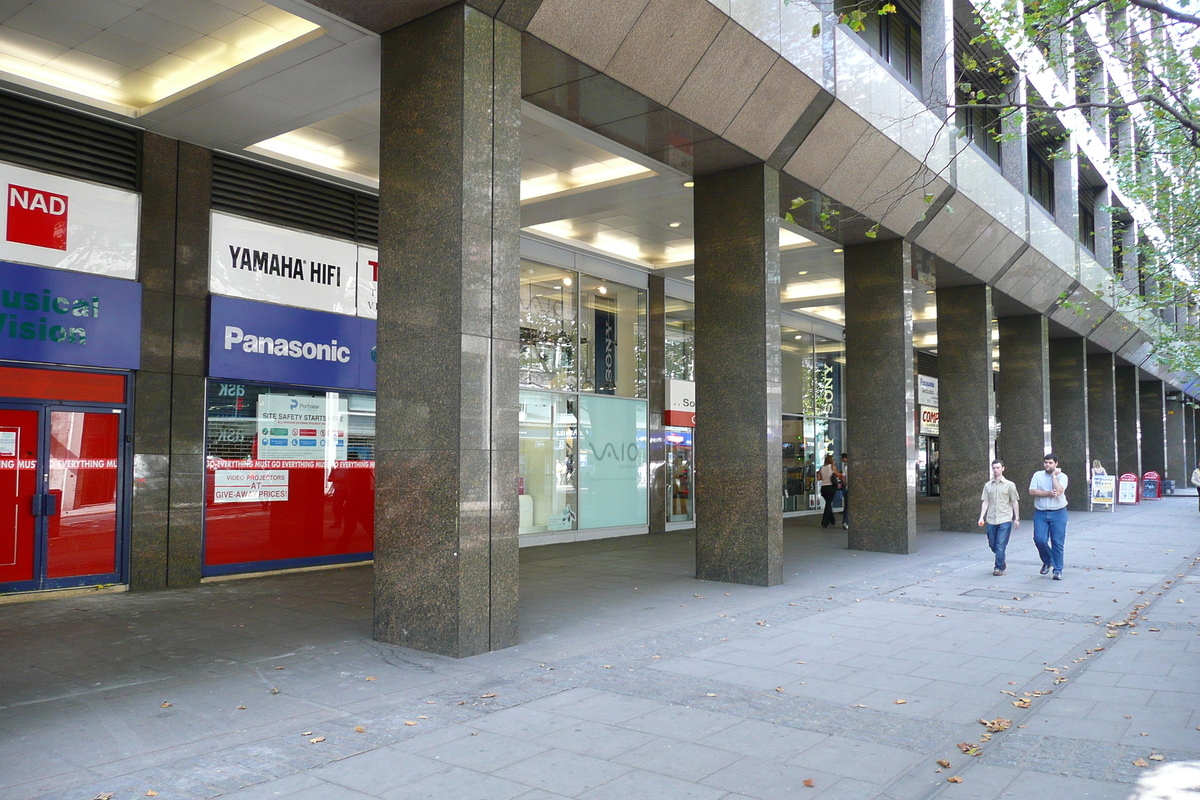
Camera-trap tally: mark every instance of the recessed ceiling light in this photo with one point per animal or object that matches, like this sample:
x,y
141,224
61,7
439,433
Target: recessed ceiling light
x,y
803,272
837,249
566,281
675,224
688,184
602,289
799,335
930,291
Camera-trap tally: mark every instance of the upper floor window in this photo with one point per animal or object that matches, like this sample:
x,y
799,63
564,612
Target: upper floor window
x,y
1041,180
895,36
1087,226
981,126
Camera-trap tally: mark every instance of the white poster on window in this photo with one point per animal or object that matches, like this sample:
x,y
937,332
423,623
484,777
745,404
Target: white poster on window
x,y
368,282
270,264
927,391
929,421
250,486
294,428
51,221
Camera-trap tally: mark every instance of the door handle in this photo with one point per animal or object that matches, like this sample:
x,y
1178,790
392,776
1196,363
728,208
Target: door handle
x,y
45,505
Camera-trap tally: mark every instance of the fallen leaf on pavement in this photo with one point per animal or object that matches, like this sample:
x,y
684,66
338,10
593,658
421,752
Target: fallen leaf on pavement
x,y
165,705
996,725
489,694
899,702
151,793
359,729
241,708
1155,757
307,733
945,764
317,740
955,779
371,678
809,782
1021,703
710,694
274,690
409,722
1141,762
779,688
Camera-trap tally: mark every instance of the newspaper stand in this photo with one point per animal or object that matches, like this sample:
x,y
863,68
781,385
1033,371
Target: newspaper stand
x,y
1151,486
1127,489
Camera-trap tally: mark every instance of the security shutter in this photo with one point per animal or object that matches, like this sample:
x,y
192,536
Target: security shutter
x,y
272,195
46,137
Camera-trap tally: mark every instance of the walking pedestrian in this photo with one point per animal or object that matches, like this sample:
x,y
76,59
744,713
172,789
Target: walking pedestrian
x,y
829,483
1048,488
1000,512
1196,478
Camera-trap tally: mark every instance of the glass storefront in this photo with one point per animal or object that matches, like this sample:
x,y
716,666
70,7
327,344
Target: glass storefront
x,y
583,415
679,348
680,474
813,421
290,476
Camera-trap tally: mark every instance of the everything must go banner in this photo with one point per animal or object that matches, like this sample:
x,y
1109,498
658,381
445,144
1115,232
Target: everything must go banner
x,y
270,343
53,316
267,263
52,221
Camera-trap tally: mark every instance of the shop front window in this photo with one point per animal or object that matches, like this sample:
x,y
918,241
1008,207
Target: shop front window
x,y
549,336
612,338
290,477
547,469
679,349
612,462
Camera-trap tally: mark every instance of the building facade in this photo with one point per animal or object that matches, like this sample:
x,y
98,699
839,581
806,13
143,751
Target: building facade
x,y
308,284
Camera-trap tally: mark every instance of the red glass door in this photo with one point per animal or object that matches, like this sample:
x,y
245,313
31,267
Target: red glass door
x,y
81,533
18,492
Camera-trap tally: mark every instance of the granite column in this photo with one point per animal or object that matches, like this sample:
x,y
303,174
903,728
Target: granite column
x,y
966,401
1177,458
1023,396
1153,412
447,446
656,451
1069,416
739,536
880,401
1129,427
1102,410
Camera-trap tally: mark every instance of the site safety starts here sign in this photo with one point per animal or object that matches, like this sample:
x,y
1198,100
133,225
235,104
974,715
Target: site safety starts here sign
x,y
52,221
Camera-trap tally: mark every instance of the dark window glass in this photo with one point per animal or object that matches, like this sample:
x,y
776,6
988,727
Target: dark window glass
x,y
1041,181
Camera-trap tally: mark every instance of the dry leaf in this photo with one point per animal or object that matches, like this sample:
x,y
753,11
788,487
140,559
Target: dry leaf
x,y
241,708
422,717
954,779
409,722
274,690
486,696
809,782
1021,703
151,793
1141,762
944,763
317,740
1155,757
710,694
359,729
608,666
996,725
165,705
779,688
899,702
371,677
307,733
104,796
279,668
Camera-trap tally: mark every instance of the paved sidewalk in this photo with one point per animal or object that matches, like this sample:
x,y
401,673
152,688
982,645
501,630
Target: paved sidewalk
x,y
633,680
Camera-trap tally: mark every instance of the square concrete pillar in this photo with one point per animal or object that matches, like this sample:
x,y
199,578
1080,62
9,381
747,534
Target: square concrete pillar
x,y
449,244
1069,416
656,446
1176,439
1153,413
1129,425
1102,410
880,396
966,401
739,534
1023,396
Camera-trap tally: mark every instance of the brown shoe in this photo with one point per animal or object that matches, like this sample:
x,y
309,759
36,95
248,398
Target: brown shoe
x,y
997,572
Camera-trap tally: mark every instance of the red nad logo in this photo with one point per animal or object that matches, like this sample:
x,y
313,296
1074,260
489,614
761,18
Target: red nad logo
x,y
37,218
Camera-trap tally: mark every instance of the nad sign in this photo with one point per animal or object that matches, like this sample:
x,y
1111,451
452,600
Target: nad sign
x,y
57,317
62,223
277,344
927,391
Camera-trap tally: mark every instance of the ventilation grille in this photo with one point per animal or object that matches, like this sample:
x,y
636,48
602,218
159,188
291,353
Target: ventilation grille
x,y
52,139
271,195
927,364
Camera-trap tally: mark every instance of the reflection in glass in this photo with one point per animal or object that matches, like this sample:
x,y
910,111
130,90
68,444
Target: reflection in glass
x,y
612,462
680,474
547,467
82,536
548,327
612,338
290,475
679,349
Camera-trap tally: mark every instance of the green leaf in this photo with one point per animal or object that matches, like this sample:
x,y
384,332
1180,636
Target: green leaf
x,y
872,233
817,31
799,201
886,8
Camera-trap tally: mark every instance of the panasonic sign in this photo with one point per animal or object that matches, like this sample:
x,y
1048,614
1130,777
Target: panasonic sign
x,y
268,343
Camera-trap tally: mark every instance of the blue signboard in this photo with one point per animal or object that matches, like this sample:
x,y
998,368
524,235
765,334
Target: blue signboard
x,y
56,316
279,344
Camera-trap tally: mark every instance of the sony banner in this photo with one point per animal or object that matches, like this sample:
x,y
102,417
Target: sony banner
x,y
56,317
270,264
270,343
67,224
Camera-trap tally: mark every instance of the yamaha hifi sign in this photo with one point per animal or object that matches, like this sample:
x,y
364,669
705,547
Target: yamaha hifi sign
x,y
276,344
52,221
58,317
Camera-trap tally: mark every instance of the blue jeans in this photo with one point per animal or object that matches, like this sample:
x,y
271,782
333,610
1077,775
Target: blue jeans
x,y
1049,535
998,541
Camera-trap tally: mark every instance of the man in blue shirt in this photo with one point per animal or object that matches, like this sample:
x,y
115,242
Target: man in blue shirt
x,y
1049,492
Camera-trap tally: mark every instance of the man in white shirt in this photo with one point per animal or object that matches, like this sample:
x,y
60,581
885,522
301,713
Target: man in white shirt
x,y
1048,488
1000,512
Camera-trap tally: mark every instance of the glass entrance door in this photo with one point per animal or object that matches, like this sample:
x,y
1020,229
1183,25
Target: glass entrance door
x,y
679,475
60,497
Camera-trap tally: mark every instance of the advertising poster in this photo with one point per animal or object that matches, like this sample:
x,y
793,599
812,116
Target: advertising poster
x,y
927,391
250,486
1127,489
680,404
612,464
301,428
67,224
270,264
1104,489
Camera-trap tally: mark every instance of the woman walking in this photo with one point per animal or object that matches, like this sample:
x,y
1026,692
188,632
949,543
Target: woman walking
x,y
828,477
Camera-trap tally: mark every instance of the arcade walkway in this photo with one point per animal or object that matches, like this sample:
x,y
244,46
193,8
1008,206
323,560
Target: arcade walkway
x,y
634,680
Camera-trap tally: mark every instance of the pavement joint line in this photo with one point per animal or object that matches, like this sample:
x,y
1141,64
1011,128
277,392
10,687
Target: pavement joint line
x,y
1044,681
